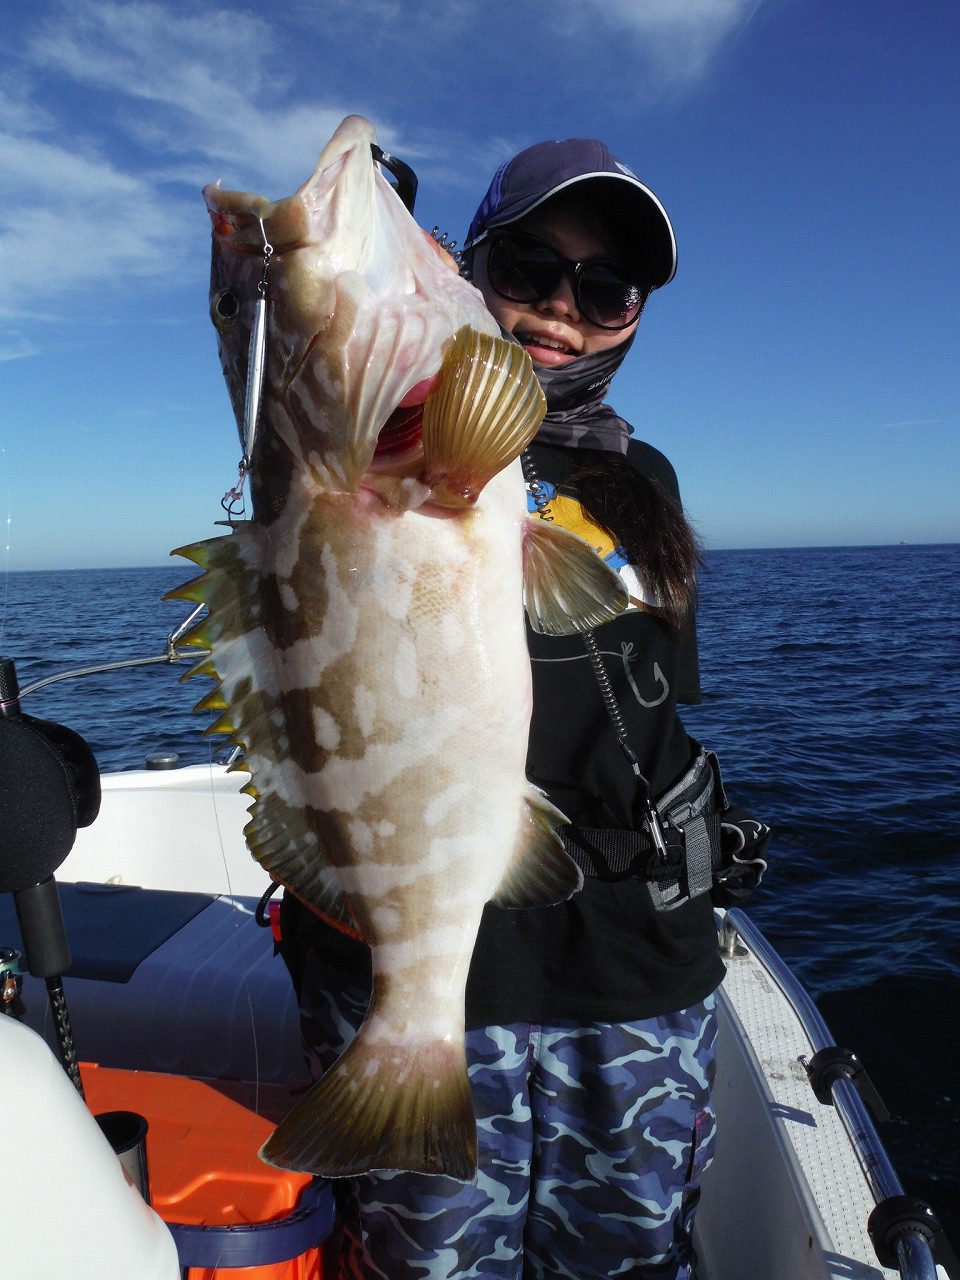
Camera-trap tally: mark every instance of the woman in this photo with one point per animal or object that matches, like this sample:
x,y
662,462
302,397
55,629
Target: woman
x,y
590,1025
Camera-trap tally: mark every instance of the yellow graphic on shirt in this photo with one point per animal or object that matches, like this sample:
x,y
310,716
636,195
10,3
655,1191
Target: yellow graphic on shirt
x,y
572,516
569,513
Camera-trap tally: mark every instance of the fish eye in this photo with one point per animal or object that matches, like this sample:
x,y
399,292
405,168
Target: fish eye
x,y
224,308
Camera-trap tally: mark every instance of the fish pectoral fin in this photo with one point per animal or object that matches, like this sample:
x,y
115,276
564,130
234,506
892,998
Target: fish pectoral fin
x,y
567,587
383,1105
540,873
485,409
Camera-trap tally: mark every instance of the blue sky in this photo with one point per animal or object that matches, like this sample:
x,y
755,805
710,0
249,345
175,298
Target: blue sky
x,y
800,372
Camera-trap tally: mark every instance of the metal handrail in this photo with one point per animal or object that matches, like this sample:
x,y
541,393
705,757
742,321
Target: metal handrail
x,y
172,653
914,1256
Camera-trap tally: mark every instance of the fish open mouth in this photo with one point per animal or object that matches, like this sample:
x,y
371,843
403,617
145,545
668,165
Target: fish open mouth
x,y
402,430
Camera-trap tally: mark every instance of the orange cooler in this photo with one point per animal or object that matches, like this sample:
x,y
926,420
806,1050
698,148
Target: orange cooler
x,y
232,1216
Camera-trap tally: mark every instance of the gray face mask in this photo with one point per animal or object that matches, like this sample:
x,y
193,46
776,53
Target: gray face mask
x,y
576,415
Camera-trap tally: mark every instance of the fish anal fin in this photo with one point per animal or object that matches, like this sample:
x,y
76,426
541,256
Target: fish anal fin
x,y
384,1104
540,872
567,587
485,409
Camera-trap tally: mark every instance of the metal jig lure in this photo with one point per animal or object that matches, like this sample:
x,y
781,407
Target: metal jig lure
x,y
256,356
232,500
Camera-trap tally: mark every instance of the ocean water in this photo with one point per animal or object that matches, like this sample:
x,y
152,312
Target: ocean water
x,y
832,697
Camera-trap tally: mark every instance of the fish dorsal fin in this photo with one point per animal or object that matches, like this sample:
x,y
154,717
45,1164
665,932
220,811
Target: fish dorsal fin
x,y
567,587
540,872
277,834
485,410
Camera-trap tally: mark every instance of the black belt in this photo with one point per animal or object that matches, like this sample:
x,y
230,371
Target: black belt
x,y
677,867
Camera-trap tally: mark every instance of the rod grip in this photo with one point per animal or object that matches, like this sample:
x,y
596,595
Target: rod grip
x,y
45,944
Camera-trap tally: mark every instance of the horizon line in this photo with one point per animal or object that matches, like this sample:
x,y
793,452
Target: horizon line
x,y
708,550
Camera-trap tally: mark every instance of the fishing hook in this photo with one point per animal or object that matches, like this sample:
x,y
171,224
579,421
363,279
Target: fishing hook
x,y
232,501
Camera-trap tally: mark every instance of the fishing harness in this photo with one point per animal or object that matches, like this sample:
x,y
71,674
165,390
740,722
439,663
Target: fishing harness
x,y
685,842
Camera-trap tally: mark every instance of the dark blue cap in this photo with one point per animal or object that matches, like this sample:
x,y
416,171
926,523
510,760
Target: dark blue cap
x,y
547,168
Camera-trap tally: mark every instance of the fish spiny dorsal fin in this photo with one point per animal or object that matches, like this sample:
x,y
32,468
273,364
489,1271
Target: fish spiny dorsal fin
x,y
567,587
241,661
485,410
540,872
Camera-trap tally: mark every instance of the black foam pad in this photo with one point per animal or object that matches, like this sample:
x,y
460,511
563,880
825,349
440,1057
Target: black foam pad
x,y
81,767
38,805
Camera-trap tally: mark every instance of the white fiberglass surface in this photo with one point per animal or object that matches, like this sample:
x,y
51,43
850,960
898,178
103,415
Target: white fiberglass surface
x,y
170,829
786,1198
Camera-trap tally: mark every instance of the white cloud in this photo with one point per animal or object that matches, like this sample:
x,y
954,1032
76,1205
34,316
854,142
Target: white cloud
x,y
102,42
76,220
178,100
209,87
39,167
675,39
15,347
910,423
672,40
85,208
20,115
656,17
164,98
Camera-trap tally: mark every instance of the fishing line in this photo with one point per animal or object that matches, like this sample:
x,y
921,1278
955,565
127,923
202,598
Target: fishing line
x,y
234,504
6,534
243,917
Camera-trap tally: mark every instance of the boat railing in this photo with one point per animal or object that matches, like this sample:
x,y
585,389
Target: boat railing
x,y
903,1229
173,652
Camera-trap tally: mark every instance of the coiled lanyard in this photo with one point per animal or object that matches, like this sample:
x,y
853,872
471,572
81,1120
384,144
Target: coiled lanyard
x,y
645,813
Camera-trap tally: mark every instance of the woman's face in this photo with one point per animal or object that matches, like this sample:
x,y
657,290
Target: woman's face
x,y
552,330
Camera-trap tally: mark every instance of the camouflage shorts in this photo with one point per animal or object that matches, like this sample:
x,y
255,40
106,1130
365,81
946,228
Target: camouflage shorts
x,y
592,1140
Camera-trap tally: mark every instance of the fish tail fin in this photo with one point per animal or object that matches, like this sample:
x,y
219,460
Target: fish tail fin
x,y
485,410
383,1105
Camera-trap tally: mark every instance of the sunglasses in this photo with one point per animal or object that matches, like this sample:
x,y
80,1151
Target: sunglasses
x,y
522,268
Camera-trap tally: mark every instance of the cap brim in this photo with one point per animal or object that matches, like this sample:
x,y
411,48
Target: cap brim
x,y
657,230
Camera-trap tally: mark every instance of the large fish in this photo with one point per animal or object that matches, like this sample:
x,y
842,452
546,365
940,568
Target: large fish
x,y
366,630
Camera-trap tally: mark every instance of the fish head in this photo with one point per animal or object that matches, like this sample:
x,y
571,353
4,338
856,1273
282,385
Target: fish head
x,y
360,308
